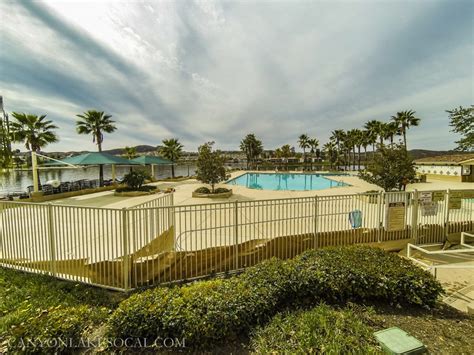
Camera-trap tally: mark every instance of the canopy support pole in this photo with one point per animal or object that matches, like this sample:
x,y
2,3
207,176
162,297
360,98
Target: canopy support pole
x,y
153,171
34,166
114,175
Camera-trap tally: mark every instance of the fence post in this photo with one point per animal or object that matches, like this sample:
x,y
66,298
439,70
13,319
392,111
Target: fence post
x,y
446,221
52,244
414,216
236,233
125,247
315,239
379,214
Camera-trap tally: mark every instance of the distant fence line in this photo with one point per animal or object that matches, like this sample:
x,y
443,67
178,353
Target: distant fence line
x,y
157,242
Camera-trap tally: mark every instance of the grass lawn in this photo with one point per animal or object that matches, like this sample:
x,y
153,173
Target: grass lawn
x,y
24,298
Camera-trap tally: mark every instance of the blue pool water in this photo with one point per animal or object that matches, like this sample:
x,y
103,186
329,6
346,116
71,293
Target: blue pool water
x,y
285,182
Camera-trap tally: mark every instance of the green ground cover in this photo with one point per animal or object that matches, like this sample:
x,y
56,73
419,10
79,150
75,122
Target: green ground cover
x,y
335,295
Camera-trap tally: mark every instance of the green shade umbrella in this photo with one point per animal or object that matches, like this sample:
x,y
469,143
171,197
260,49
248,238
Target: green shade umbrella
x,y
152,160
95,158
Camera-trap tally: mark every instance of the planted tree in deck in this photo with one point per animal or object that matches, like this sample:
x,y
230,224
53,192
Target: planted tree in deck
x,y
210,165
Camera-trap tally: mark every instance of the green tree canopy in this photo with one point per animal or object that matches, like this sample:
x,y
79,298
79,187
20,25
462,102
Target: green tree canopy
x,y
34,131
172,150
210,165
96,123
391,169
404,121
252,147
462,122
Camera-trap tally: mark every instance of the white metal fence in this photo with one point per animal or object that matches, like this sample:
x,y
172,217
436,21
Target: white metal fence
x,y
158,242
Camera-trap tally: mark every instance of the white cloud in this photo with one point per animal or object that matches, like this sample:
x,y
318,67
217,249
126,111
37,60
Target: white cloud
x,y
216,70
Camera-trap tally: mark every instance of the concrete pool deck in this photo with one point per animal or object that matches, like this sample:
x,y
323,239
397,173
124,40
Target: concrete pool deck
x,y
184,189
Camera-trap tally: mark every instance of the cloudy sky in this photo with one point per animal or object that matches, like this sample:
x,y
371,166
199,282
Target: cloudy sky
x,y
213,70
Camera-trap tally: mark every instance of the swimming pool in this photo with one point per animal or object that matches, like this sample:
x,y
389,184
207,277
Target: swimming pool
x,y
287,181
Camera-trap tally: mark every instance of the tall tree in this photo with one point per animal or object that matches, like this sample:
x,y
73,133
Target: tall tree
x,y
405,120
392,169
358,142
96,123
284,153
303,142
338,137
462,122
252,148
330,149
375,131
210,165
313,145
391,130
34,131
130,152
172,150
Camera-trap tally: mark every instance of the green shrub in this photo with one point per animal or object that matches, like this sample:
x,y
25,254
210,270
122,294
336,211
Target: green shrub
x,y
145,188
361,273
318,331
135,179
54,329
205,311
208,311
203,190
221,190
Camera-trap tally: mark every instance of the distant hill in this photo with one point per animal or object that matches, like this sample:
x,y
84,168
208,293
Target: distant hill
x,y
422,153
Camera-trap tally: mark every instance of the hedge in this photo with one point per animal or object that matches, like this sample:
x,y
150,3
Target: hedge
x,y
208,311
322,330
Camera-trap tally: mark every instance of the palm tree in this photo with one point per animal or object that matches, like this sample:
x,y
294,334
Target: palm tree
x,y
284,152
405,120
351,142
313,144
374,129
330,149
35,132
130,152
171,150
252,147
365,142
303,142
358,137
96,123
338,137
390,131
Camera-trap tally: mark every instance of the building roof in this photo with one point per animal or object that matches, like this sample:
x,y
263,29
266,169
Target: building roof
x,y
454,159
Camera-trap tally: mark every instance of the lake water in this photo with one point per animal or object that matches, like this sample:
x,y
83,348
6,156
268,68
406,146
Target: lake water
x,y
18,181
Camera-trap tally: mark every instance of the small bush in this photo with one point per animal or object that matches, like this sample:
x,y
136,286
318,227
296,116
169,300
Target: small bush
x,y
135,179
221,190
145,188
208,311
203,190
318,331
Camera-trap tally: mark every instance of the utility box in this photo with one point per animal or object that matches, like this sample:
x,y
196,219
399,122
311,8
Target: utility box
x,y
396,341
